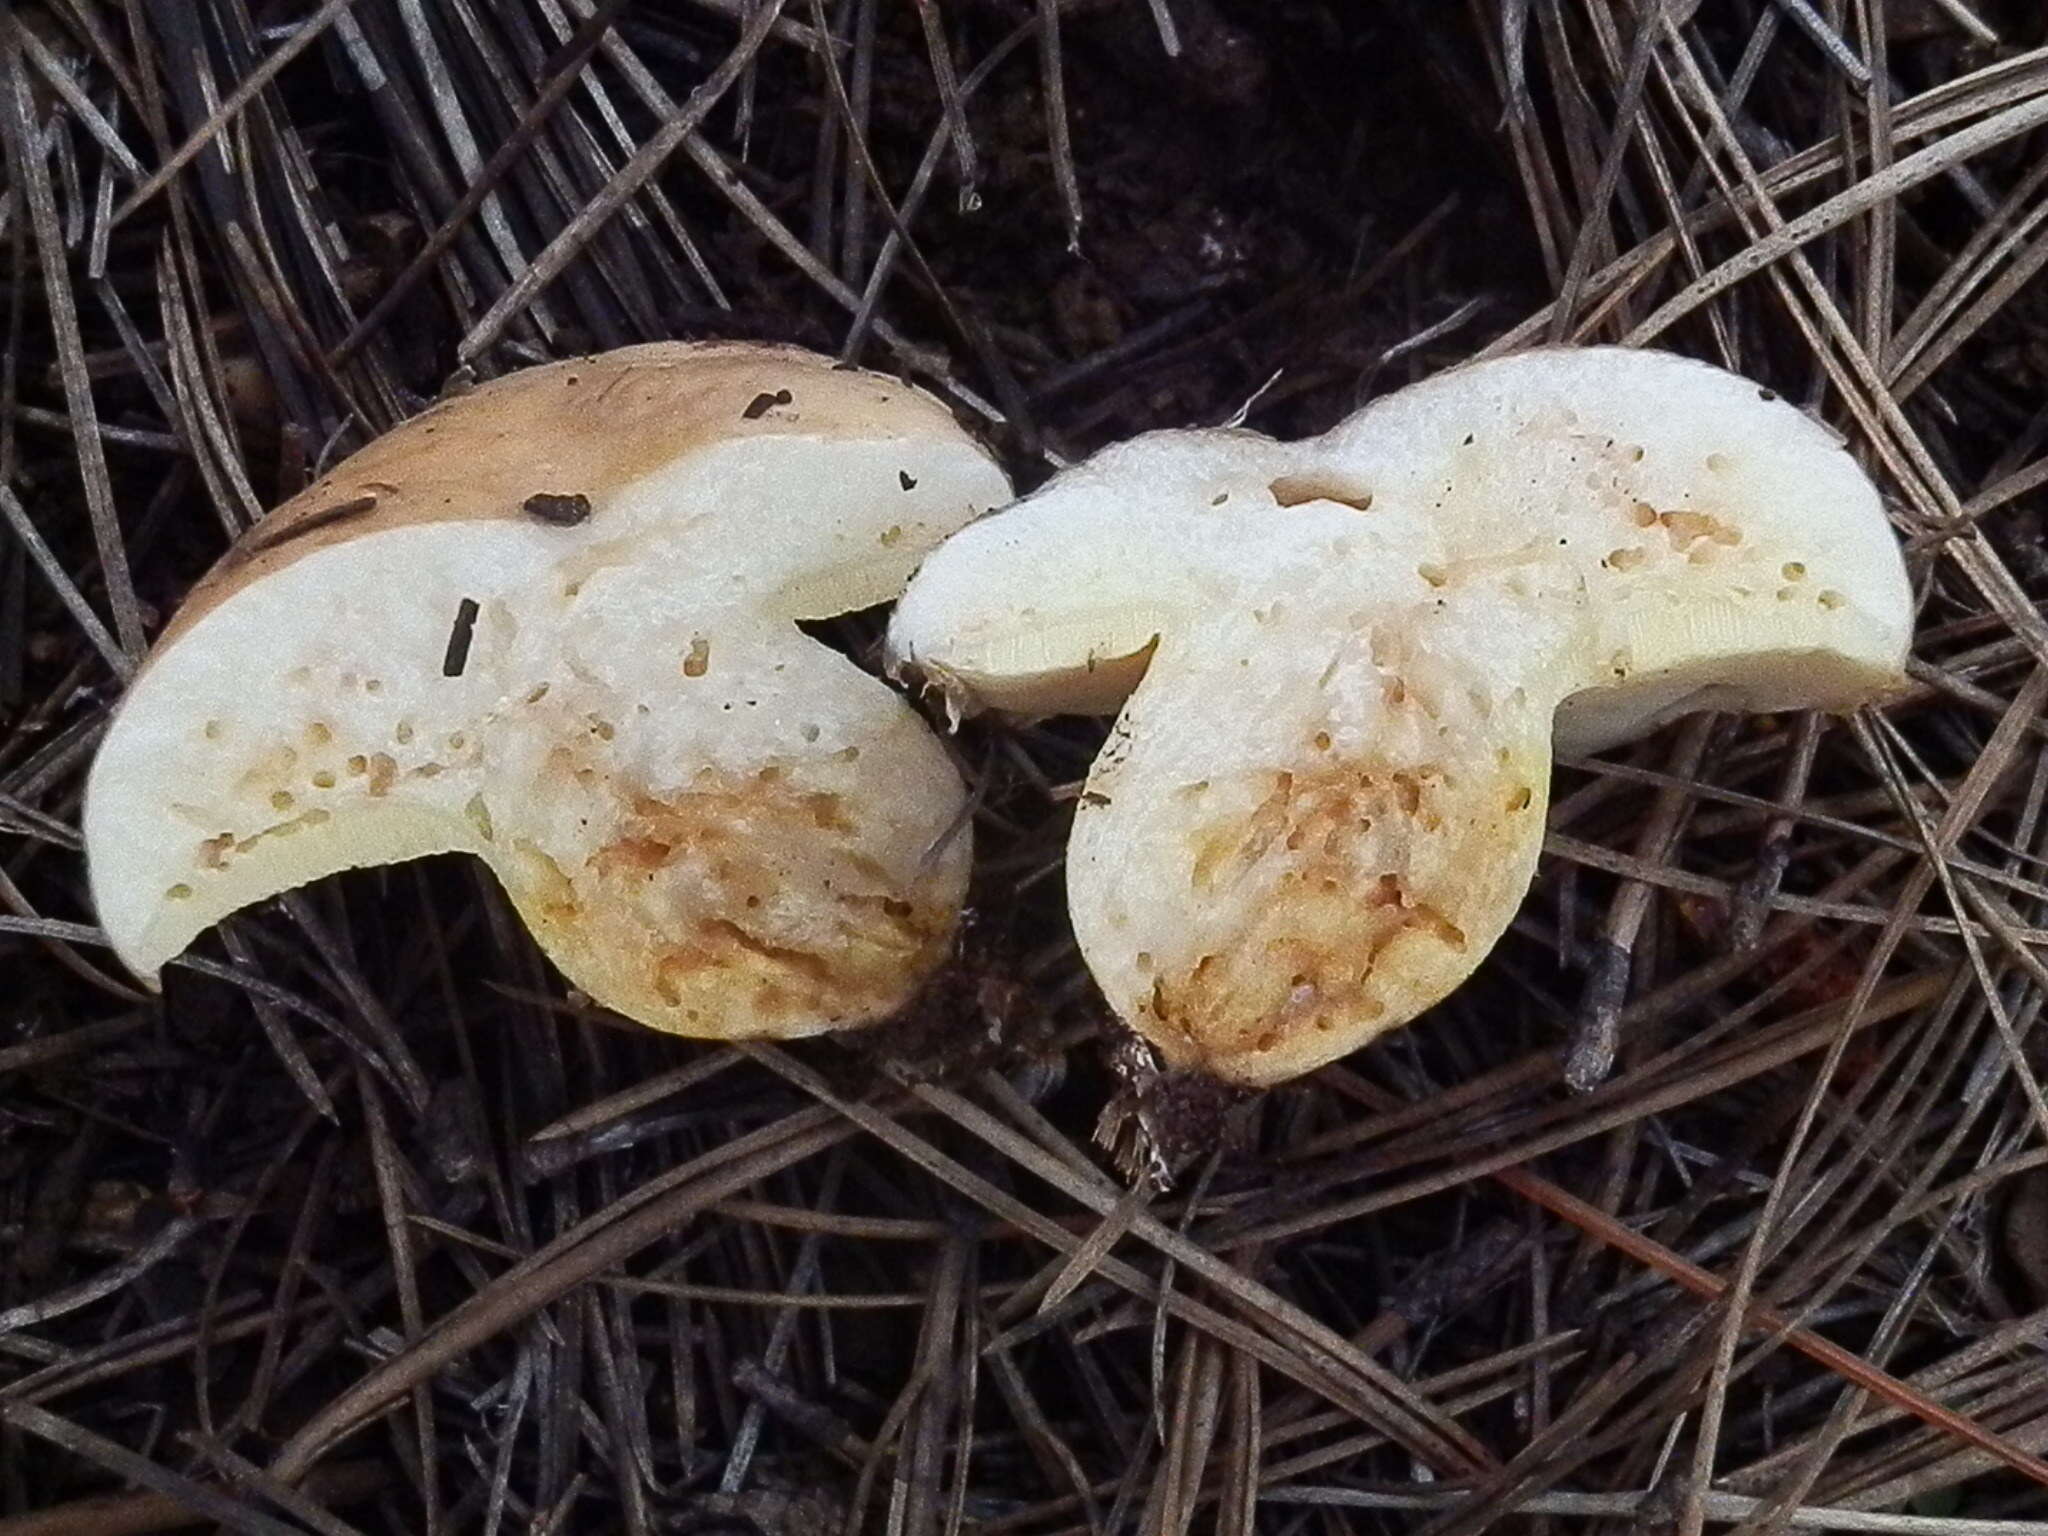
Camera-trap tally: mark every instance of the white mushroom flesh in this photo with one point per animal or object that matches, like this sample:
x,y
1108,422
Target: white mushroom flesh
x,y
1323,802
711,822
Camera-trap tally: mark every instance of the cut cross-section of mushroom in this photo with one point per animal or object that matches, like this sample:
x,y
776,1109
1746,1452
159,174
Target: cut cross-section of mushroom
x,y
1348,662
552,623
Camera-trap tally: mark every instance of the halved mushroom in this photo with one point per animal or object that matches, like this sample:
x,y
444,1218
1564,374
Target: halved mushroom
x,y
1323,802
553,623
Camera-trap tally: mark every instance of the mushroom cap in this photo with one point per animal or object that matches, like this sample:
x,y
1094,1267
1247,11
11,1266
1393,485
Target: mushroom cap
x,y
1348,662
552,622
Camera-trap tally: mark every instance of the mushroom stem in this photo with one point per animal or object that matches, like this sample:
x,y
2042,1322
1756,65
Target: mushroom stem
x,y
1335,840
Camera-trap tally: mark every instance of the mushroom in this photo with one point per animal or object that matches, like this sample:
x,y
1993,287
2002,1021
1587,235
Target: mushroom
x,y
553,623
1343,666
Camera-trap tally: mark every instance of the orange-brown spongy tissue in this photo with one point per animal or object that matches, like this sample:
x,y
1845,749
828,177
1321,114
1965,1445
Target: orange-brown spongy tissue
x,y
741,905
1352,877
